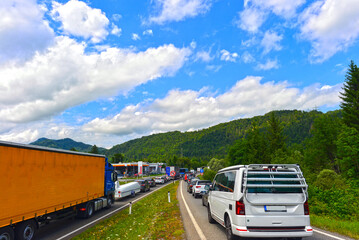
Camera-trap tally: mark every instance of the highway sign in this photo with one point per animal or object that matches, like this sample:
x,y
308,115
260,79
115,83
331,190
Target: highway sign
x,y
173,173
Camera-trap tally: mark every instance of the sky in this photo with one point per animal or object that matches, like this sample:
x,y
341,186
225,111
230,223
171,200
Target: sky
x,y
107,71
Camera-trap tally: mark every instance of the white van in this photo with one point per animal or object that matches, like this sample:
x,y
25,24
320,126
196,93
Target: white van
x,y
260,201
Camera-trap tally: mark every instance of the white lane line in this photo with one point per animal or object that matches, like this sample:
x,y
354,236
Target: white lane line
x,y
104,216
196,226
327,234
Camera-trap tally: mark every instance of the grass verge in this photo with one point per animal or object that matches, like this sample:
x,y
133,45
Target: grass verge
x,y
152,218
345,227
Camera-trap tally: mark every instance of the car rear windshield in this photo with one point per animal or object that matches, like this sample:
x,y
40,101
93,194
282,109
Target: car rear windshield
x,y
273,189
204,182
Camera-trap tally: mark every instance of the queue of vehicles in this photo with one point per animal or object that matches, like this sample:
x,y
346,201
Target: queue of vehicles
x,y
256,201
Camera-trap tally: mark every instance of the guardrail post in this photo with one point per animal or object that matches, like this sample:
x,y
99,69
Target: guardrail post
x,y
129,211
169,196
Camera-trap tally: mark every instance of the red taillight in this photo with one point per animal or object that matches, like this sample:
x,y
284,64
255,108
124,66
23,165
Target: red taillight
x,y
119,192
143,185
198,186
306,208
240,210
82,209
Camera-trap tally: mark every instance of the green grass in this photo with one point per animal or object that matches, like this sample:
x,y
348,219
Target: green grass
x,y
344,227
152,218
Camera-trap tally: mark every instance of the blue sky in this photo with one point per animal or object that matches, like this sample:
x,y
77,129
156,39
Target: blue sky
x,y
107,71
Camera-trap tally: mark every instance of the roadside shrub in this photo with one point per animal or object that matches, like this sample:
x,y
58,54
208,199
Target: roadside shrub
x,y
208,174
328,179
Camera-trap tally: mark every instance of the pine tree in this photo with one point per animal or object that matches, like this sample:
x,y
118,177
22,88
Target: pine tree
x,y
350,97
94,149
275,136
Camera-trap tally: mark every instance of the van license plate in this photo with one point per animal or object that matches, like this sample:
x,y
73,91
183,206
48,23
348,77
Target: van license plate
x,y
275,208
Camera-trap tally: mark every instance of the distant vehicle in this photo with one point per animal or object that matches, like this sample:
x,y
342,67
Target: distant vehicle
x,y
145,186
198,188
182,171
151,181
159,180
260,201
191,183
42,184
128,189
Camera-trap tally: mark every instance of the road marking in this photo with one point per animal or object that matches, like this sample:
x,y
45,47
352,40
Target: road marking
x,y
327,234
104,216
196,226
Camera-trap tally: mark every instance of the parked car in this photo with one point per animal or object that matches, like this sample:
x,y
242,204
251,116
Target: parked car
x,y
159,180
145,186
260,201
190,184
151,181
198,188
205,196
128,189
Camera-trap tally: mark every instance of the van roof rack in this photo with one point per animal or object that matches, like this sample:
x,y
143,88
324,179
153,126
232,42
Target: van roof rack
x,y
274,176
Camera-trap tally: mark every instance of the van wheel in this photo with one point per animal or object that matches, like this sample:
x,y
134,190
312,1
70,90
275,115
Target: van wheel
x,y
6,233
89,209
229,232
25,230
210,219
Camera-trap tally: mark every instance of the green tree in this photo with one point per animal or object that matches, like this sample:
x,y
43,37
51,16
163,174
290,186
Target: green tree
x,y
350,97
216,164
94,149
118,157
257,146
73,149
275,135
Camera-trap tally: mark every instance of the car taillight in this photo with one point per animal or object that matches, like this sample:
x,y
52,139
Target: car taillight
x,y
240,210
306,208
143,185
119,192
198,186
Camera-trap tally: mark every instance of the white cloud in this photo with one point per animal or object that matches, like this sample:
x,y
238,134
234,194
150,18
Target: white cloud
x,y
247,57
203,56
213,68
78,19
23,31
135,37
185,110
331,26
116,30
228,57
256,12
270,64
66,76
271,41
178,10
148,32
116,17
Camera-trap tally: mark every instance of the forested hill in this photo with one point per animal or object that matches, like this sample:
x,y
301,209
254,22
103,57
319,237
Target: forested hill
x,y
215,141
67,144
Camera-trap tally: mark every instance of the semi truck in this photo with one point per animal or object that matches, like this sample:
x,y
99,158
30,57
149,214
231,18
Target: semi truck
x,y
41,184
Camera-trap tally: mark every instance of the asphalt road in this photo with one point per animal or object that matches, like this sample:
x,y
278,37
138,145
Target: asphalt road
x,y
215,231
68,228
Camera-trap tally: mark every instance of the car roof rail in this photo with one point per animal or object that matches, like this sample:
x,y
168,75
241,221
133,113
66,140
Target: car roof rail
x,y
274,176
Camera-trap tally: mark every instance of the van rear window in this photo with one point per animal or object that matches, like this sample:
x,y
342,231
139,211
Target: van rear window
x,y
273,189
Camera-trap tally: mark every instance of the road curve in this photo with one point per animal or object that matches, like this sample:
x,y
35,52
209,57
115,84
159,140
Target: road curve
x,y
215,231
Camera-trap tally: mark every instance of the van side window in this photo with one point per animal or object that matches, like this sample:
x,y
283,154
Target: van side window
x,y
224,182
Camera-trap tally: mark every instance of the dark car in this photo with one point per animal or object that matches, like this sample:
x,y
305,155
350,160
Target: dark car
x,y
151,181
191,183
205,197
145,186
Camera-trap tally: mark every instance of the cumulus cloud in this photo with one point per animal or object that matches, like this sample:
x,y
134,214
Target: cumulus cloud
x,y
148,32
331,26
228,57
203,56
271,41
256,12
116,30
78,19
185,110
178,10
23,32
66,76
135,37
269,64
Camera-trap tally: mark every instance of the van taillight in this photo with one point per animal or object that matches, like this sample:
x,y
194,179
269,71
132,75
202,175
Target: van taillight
x,y
306,208
240,208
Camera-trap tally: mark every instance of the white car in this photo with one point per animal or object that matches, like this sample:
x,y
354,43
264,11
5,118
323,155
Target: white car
x,y
128,189
260,201
198,189
159,180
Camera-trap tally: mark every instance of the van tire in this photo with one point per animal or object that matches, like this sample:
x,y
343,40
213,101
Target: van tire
x,y
25,230
210,219
228,226
7,233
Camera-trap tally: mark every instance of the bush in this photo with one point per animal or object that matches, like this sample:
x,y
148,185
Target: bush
x,y
208,174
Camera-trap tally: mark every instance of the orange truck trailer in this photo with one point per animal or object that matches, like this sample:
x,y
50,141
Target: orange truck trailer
x,y
41,184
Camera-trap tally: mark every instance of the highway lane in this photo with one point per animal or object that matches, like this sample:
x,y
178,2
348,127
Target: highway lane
x,y
215,231
64,229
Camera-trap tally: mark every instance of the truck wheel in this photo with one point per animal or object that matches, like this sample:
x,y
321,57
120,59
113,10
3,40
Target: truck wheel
x,y
89,209
6,233
210,219
25,230
109,202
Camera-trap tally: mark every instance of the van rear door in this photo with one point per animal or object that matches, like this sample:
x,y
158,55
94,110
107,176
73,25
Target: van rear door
x,y
274,198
